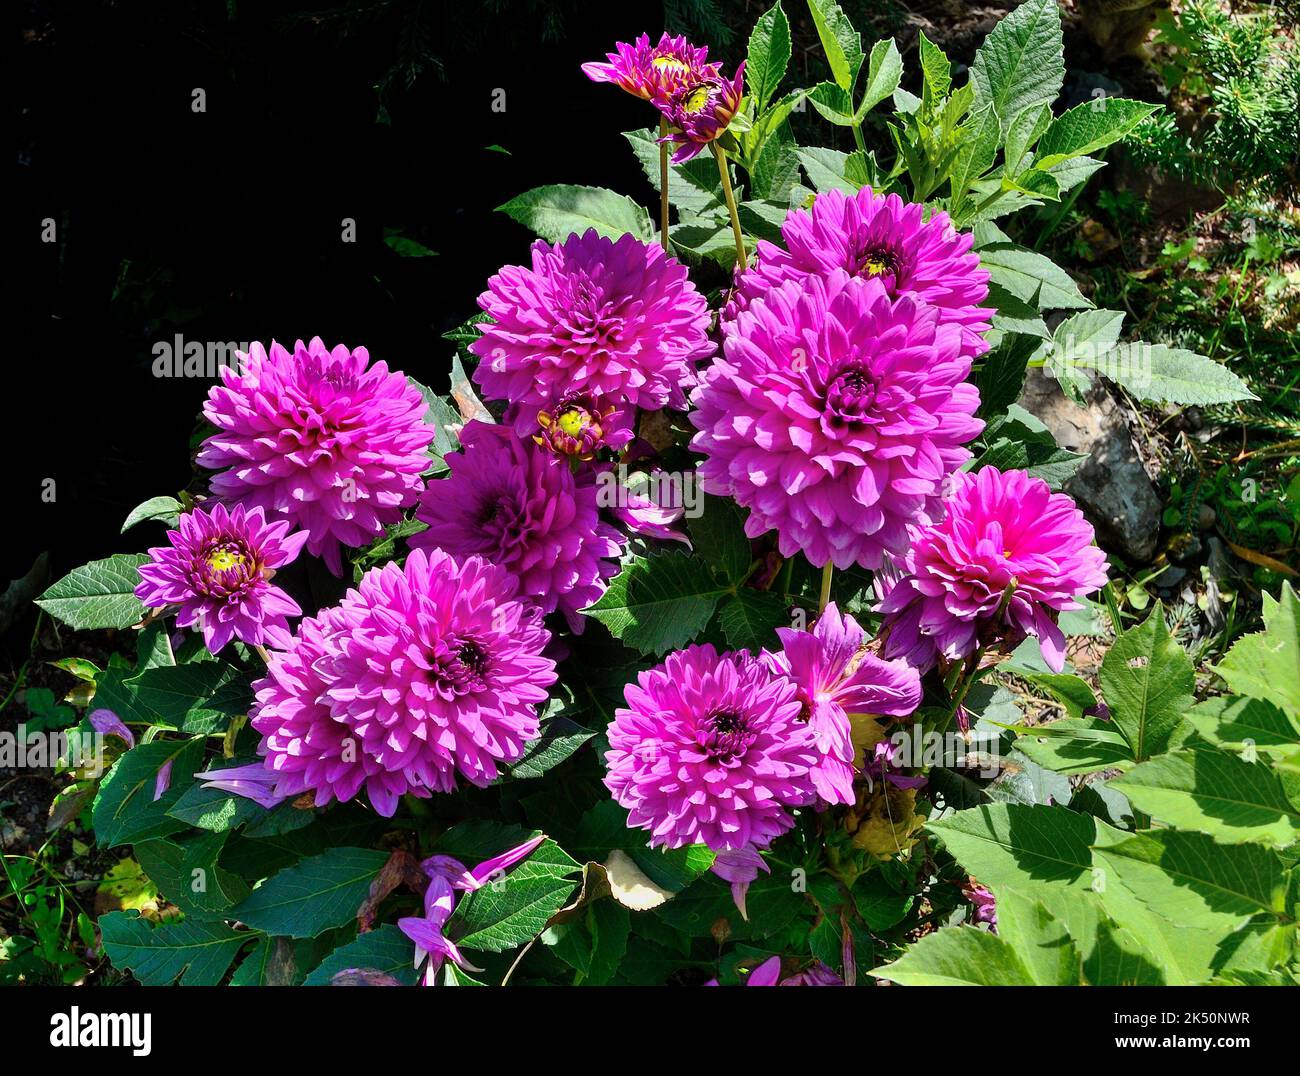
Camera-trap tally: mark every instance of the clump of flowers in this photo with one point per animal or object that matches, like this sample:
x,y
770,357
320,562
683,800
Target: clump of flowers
x,y
320,438
878,237
653,72
424,675
701,109
835,417
836,675
710,749
517,506
616,320
217,569
1008,556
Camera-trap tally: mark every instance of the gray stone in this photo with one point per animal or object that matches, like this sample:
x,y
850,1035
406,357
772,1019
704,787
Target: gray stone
x,y
1111,486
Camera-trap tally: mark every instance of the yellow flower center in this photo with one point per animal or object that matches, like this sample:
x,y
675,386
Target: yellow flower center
x,y
222,560
875,267
573,422
669,63
696,99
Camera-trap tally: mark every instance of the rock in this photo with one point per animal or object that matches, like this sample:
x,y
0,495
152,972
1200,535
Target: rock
x,y
1111,486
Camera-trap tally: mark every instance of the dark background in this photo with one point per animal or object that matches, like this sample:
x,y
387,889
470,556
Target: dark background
x,y
226,225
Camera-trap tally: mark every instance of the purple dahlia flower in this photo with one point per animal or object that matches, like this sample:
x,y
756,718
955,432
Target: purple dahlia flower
x,y
700,110
423,674
580,425
1001,532
883,238
836,676
320,438
984,907
835,417
710,749
653,72
516,505
615,319
218,570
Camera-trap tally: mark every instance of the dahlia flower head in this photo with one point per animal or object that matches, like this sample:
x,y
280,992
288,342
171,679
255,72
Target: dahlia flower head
x,y
653,72
878,237
516,505
711,749
616,321
217,569
320,438
835,417
1001,530
580,426
835,676
700,110
423,676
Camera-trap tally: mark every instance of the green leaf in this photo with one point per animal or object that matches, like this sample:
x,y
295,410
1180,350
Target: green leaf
x,y
313,896
718,534
1021,63
1014,844
1209,790
164,509
958,956
1147,680
841,43
198,697
827,170
975,155
1089,127
693,187
1026,129
559,739
213,809
1233,722
833,102
884,71
936,72
658,603
100,594
1267,664
749,619
1093,332
385,949
185,871
198,952
1075,745
515,909
769,53
125,810
559,210
1163,374
1026,274
1043,942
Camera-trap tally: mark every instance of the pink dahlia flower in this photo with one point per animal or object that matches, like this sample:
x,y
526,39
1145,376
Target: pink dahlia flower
x,y
422,675
218,570
710,749
1001,531
700,110
320,438
836,676
878,237
835,417
615,319
517,506
652,72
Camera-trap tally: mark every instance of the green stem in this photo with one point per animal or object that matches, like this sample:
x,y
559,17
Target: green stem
x,y
663,185
825,598
731,202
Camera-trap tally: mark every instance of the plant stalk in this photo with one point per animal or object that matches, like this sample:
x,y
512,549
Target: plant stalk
x,y
731,202
663,185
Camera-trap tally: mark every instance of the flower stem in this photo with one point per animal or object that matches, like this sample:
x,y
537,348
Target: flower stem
x,y
826,588
731,202
663,185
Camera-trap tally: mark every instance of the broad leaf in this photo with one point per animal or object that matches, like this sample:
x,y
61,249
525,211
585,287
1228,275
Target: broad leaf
x,y
100,594
127,806
659,603
1089,127
958,956
559,210
165,510
516,908
1147,680
769,52
197,952
842,43
1267,664
385,949
1021,63
314,895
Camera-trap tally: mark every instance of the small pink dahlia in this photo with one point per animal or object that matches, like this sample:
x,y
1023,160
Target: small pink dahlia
x,y
710,749
423,674
652,72
615,319
512,502
835,417
700,110
836,676
879,237
218,569
1001,531
320,438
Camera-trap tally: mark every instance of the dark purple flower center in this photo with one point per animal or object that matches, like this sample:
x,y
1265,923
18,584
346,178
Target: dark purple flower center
x,y
725,734
459,666
879,261
850,395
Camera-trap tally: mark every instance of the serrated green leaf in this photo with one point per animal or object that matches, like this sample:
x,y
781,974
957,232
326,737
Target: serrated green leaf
x,y
1021,63
165,510
1147,680
1089,127
314,895
1163,374
659,603
385,949
559,739
516,909
1266,665
884,71
198,697
768,55
958,956
841,43
694,187
1014,844
185,870
749,619
100,594
125,809
1027,275
559,210
1235,722
198,952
